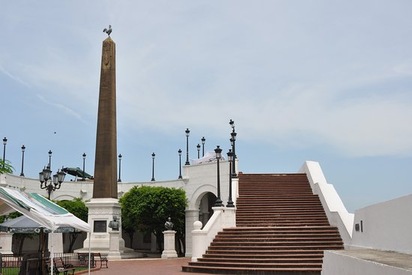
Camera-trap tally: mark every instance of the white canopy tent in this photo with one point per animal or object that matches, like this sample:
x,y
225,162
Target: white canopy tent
x,y
41,210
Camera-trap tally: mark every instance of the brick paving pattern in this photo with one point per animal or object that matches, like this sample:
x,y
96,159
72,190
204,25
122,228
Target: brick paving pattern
x,y
147,266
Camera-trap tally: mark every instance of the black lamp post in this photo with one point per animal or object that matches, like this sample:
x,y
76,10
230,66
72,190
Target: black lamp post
x,y
120,168
218,152
198,151
233,143
203,146
229,158
153,159
50,156
46,182
23,148
187,146
84,165
180,163
4,151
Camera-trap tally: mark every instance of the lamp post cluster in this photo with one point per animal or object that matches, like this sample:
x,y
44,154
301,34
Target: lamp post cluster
x,y
23,149
231,156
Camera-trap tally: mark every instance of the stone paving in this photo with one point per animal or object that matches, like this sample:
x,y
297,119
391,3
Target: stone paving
x,y
147,266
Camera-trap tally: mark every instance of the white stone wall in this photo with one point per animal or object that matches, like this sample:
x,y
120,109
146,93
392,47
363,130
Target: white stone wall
x,y
197,181
385,226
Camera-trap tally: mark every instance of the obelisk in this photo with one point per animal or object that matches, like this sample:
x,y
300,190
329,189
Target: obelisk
x,y
105,164
104,207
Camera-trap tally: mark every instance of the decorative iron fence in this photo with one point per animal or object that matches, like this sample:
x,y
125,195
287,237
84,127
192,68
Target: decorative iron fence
x,y
35,264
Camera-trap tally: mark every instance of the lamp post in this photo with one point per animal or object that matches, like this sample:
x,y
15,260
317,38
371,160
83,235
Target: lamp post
x,y
187,146
4,151
50,156
218,152
233,143
153,160
120,168
23,149
180,163
46,181
198,151
203,146
84,165
229,158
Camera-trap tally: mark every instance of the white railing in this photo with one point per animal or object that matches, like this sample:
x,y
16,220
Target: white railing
x,y
335,209
223,217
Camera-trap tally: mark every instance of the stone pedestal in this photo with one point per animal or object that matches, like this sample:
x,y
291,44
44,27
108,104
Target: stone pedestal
x,y
6,242
56,240
191,216
169,244
101,212
114,245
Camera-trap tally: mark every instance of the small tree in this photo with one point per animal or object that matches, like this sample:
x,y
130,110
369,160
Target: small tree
x,y
147,208
78,208
6,167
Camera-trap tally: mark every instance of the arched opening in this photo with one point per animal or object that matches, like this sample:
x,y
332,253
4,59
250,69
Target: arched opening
x,y
205,207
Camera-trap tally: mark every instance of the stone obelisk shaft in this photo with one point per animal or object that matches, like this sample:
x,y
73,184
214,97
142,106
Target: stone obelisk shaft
x,y
105,166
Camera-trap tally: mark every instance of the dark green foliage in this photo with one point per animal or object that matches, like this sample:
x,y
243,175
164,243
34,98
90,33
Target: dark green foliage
x,y
10,216
147,208
5,167
77,207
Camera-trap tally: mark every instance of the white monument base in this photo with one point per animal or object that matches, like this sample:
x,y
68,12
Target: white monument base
x,y
169,244
103,239
56,242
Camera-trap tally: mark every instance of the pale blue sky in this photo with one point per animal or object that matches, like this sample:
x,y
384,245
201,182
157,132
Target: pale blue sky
x,y
329,81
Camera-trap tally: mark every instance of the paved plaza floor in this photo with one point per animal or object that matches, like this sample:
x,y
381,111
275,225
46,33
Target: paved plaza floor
x,y
146,266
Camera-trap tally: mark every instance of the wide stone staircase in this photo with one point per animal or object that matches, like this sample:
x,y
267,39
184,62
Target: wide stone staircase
x,y
281,228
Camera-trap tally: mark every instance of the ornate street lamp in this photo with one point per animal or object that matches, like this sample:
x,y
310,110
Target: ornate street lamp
x,y
198,151
4,151
218,152
120,168
153,159
180,163
229,158
233,143
46,182
84,165
23,149
203,146
187,146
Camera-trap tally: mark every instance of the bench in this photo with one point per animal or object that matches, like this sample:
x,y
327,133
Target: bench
x,y
95,257
101,259
60,267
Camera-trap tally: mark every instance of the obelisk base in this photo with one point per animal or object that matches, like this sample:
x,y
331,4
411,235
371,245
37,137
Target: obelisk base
x,y
169,244
101,212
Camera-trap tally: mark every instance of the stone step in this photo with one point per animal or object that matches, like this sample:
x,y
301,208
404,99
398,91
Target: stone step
x,y
284,229
251,271
261,260
269,223
259,265
266,253
276,254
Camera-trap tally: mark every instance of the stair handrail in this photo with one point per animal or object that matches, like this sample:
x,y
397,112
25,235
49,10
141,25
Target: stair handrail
x,y
332,204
